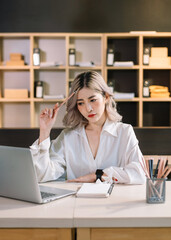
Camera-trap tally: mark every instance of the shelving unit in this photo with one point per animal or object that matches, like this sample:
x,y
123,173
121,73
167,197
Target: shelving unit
x,y
90,47
140,111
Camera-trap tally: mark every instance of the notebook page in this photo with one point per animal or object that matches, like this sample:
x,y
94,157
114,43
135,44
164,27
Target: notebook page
x,y
94,190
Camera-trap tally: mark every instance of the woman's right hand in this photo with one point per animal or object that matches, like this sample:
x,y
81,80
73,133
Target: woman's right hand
x,y
47,120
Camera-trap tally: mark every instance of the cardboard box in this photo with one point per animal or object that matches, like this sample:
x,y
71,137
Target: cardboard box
x,y
15,57
159,61
16,93
15,63
157,52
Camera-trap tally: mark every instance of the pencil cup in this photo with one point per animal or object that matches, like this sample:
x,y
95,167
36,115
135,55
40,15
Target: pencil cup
x,y
155,190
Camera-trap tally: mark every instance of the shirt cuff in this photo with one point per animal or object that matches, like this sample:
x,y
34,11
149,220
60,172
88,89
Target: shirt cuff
x,y
44,145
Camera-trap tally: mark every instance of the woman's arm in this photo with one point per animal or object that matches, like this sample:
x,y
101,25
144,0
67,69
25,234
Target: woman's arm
x,y
49,159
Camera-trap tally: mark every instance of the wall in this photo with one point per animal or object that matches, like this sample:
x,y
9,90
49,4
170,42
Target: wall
x,y
84,15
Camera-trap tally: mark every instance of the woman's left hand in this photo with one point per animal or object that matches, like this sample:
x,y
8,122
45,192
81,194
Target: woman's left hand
x,y
86,178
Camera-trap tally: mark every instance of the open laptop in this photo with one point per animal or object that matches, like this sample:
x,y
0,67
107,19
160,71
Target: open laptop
x,y
18,178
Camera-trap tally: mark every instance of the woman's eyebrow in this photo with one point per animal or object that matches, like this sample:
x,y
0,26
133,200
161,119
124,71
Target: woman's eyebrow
x,y
88,98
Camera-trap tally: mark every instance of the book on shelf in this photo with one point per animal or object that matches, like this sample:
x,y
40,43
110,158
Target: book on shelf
x,y
50,64
95,190
121,95
53,96
123,64
85,64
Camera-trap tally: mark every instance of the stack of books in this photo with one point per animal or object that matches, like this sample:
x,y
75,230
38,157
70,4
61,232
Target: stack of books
x,y
157,91
121,95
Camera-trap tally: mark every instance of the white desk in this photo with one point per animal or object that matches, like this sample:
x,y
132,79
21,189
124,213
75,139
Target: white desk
x,y
124,215
23,220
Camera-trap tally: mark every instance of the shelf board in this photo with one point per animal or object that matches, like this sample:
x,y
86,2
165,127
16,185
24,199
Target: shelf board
x,y
86,68
156,99
157,67
15,67
15,100
49,68
122,68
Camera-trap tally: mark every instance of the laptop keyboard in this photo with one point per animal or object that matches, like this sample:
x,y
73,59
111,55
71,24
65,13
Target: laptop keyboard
x,y
47,195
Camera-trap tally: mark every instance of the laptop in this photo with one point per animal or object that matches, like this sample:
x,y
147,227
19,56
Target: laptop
x,y
18,178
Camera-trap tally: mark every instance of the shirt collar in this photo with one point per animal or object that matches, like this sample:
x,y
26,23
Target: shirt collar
x,y
109,127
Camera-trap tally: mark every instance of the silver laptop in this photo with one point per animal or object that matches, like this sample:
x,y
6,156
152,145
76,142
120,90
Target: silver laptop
x,y
18,178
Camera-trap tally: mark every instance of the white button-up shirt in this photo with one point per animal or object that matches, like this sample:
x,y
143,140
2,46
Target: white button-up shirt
x,y
118,153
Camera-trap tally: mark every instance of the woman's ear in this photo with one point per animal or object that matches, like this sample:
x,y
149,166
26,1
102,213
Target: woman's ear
x,y
106,97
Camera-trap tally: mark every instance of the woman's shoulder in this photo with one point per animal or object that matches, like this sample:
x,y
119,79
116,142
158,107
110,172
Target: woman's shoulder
x,y
124,128
122,125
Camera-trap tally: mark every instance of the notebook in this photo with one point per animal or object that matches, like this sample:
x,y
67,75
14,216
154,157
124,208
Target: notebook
x,y
95,190
18,178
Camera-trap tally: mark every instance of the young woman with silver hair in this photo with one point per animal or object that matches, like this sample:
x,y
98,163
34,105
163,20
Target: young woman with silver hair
x,y
95,143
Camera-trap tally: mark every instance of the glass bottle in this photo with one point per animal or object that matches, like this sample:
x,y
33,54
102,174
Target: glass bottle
x,y
146,56
111,86
38,89
36,56
110,57
146,90
72,57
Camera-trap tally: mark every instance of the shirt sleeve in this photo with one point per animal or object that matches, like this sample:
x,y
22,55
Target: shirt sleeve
x,y
130,170
49,159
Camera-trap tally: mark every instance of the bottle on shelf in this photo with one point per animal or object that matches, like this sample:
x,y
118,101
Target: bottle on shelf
x,y
38,89
146,89
111,85
146,56
72,57
110,57
36,56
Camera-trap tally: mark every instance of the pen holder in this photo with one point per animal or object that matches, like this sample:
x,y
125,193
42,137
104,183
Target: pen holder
x,y
155,190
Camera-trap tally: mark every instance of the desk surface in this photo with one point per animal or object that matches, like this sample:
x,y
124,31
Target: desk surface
x,y
126,207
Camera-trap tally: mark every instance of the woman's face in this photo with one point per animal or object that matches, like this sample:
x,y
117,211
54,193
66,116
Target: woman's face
x,y
91,105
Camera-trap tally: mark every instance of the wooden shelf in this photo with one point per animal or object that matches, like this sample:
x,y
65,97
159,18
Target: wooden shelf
x,y
139,111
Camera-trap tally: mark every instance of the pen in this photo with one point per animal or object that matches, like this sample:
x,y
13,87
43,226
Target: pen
x,y
67,99
151,167
111,188
156,170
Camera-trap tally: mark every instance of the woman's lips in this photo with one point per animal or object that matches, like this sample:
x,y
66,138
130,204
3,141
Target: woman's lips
x,y
91,115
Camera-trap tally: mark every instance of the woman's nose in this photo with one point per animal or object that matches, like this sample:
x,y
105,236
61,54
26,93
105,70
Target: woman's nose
x,y
89,107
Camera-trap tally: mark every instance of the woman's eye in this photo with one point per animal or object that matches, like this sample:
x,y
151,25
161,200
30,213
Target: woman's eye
x,y
80,103
92,100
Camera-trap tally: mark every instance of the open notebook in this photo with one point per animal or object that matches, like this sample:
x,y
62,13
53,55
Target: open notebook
x,y
95,190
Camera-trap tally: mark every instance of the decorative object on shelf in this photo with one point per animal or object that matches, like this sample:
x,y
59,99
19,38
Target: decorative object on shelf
x,y
36,56
38,89
157,91
110,57
16,93
146,90
72,57
146,56
111,85
159,57
16,59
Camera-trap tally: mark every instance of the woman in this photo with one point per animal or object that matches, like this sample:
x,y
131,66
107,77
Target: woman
x,y
95,143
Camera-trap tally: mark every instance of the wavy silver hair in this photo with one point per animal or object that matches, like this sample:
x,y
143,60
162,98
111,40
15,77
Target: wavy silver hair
x,y
94,81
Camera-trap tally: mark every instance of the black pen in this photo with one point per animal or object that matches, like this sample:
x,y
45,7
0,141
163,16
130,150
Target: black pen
x,y
156,170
